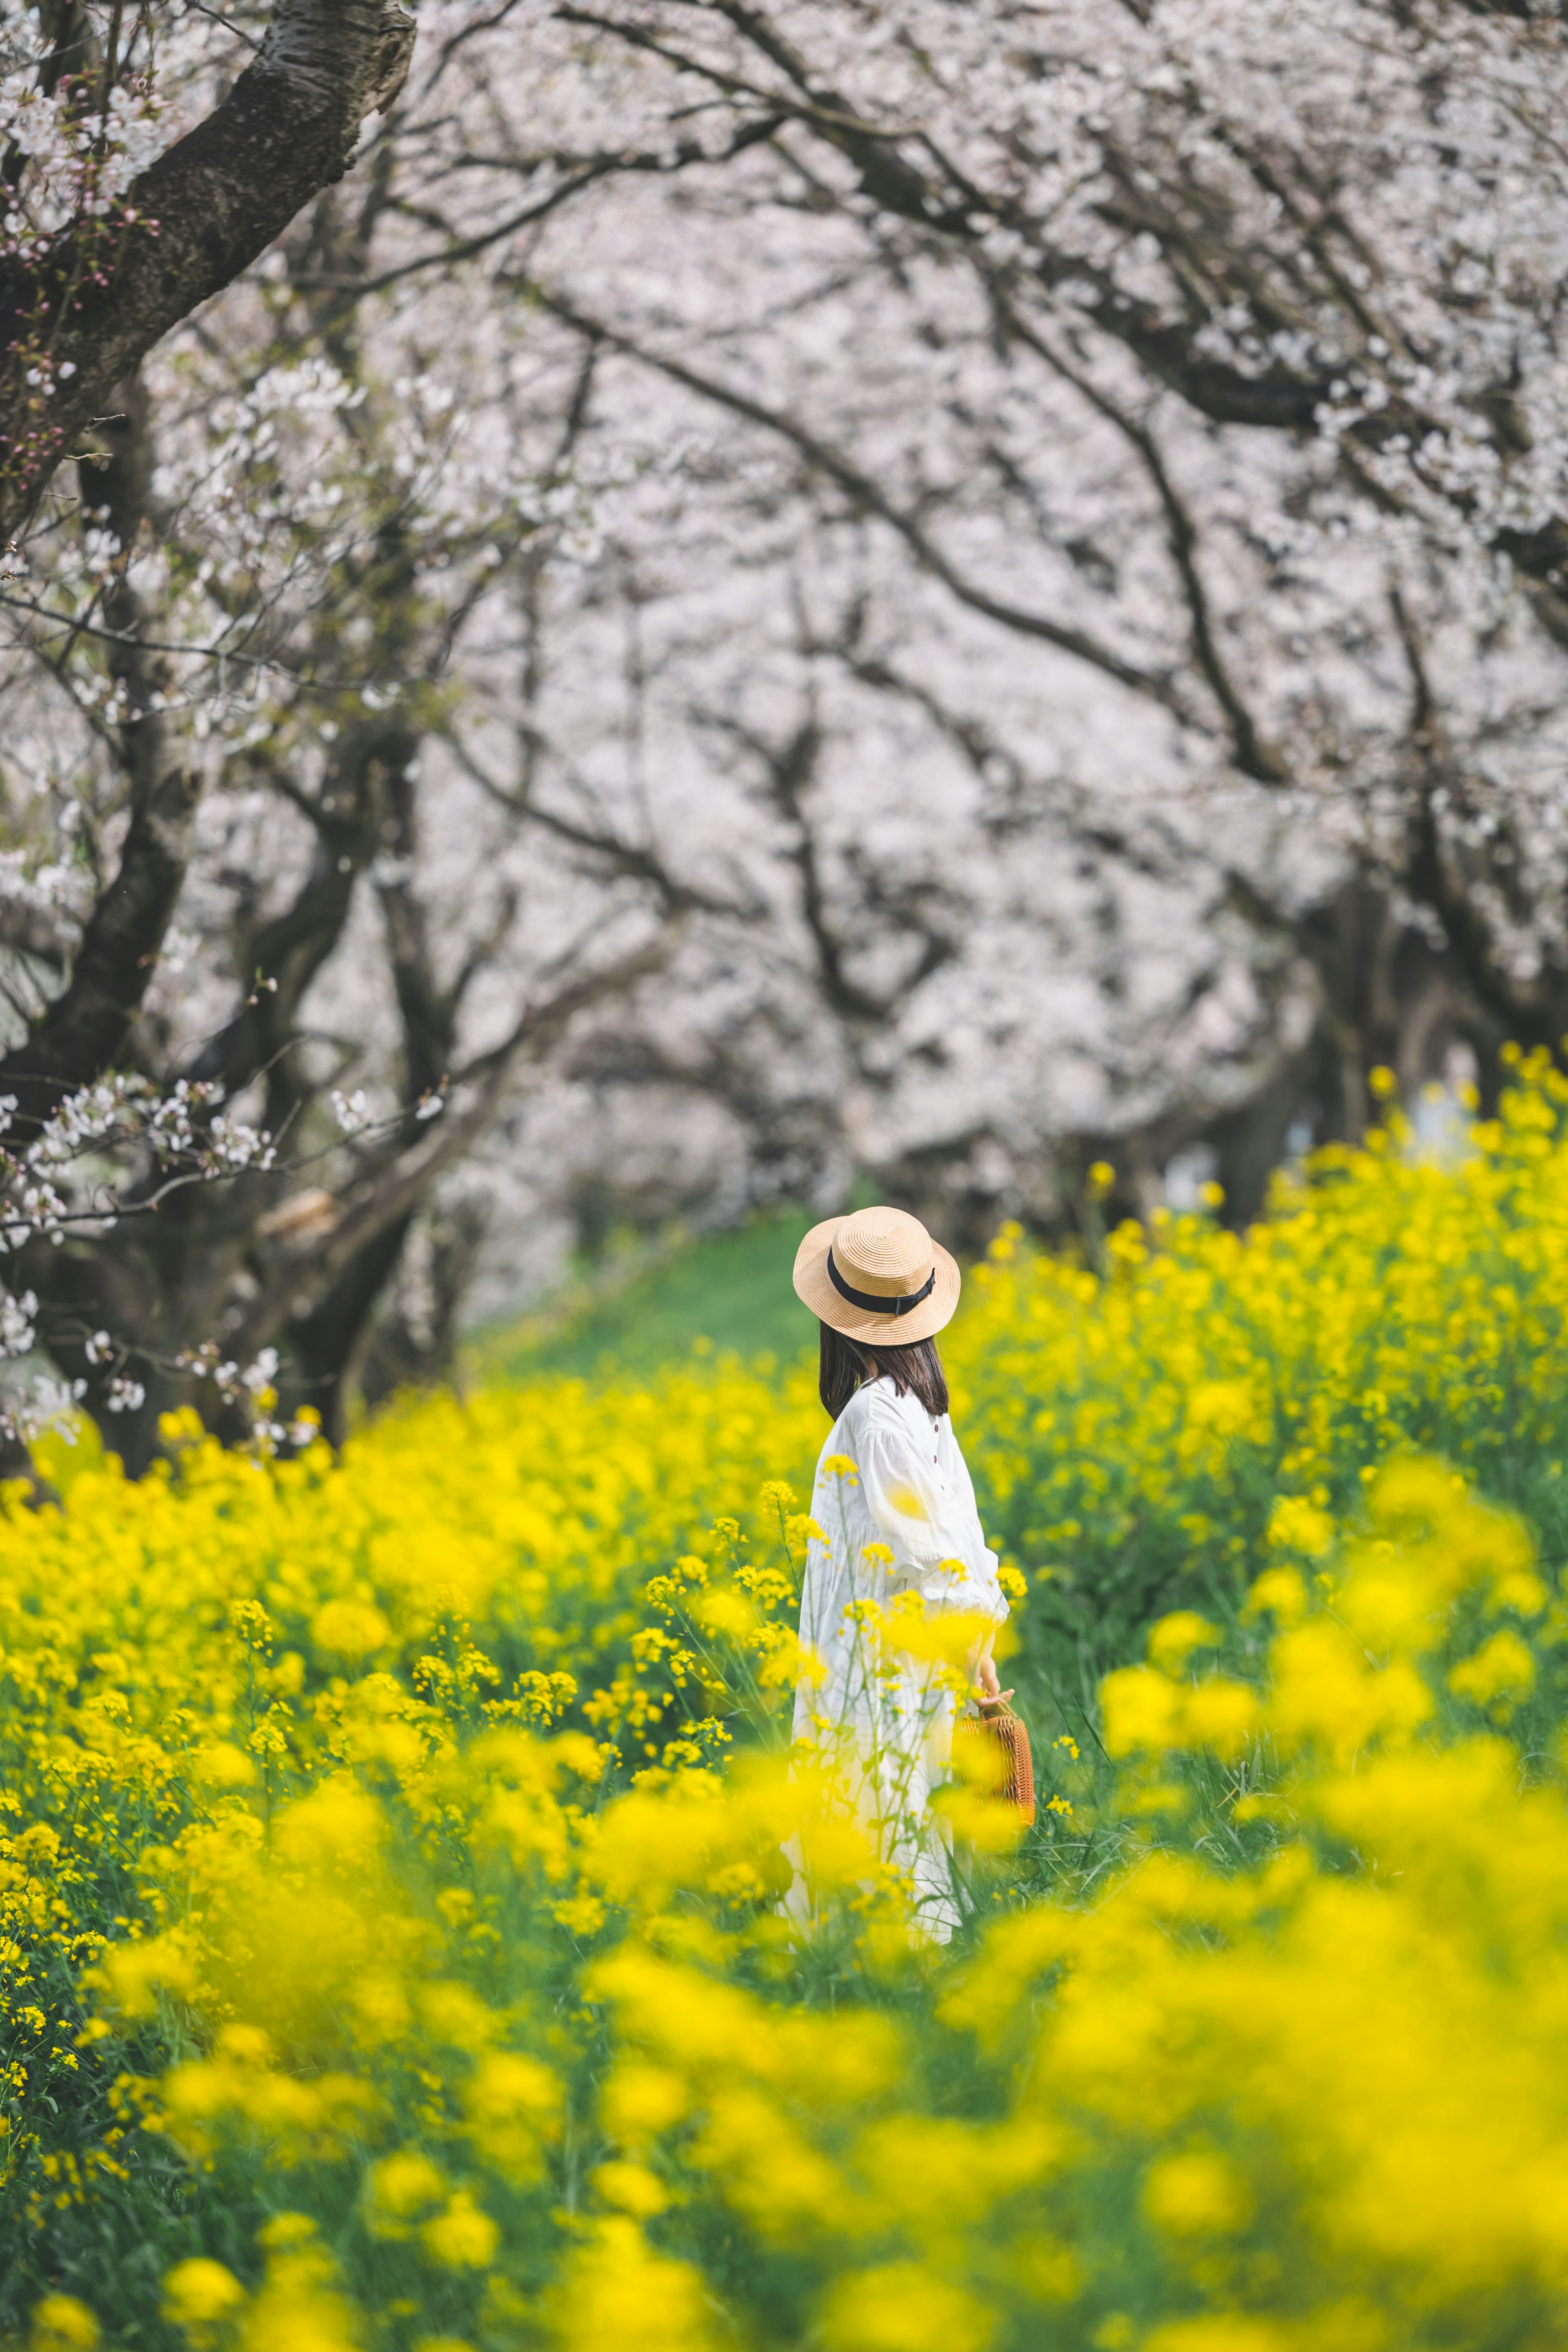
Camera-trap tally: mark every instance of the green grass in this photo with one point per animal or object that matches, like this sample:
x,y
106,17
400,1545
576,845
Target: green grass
x,y
716,1293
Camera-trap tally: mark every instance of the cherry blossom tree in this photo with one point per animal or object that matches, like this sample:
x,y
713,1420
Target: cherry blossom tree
x,y
767,592
1197,365
268,599
115,232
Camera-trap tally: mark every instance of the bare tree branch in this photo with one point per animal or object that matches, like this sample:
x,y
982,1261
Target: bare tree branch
x,y
383,1197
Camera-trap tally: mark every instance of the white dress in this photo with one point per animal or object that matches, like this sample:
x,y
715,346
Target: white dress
x,y
890,1477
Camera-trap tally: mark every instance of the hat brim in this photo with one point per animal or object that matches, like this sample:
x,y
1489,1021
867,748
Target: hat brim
x,y
815,1288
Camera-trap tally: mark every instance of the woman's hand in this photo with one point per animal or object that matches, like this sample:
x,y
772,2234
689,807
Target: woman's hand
x,y
985,1684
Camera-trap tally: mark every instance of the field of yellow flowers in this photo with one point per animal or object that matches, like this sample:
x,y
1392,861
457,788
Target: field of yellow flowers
x,y
390,1849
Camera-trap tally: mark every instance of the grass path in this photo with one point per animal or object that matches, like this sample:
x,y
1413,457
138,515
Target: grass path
x,y
715,1294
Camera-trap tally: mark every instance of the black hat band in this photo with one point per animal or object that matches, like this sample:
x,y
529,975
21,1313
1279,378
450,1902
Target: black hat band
x,y
871,1302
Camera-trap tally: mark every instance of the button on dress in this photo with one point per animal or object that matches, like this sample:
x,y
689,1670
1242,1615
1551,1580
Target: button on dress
x,y
891,1476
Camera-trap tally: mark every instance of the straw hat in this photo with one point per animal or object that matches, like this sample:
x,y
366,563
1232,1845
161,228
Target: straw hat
x,y
847,1267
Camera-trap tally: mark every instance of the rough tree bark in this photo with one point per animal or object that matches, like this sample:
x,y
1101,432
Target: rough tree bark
x,y
191,223
84,1032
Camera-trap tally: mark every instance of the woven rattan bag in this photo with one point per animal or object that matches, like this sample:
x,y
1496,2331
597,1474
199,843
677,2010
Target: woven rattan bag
x,y
995,1762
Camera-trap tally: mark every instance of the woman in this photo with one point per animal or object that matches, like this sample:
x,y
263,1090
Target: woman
x,y
900,1533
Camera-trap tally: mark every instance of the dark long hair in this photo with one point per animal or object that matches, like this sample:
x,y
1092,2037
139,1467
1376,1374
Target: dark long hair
x,y
842,1365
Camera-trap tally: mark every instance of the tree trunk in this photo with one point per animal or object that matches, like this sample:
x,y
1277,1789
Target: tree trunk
x,y
102,294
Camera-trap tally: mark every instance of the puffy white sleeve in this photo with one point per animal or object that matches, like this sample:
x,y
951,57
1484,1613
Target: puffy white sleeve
x,y
928,1520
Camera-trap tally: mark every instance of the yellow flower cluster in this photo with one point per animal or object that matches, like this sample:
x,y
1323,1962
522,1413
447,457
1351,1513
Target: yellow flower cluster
x,y
1146,1426
397,1941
